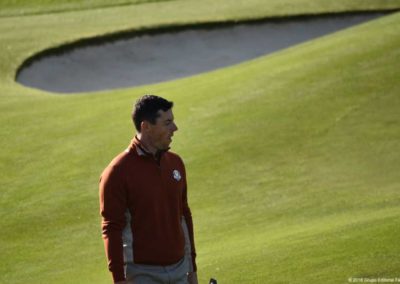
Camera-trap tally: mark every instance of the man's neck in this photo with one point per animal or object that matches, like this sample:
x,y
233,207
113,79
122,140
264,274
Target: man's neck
x,y
147,144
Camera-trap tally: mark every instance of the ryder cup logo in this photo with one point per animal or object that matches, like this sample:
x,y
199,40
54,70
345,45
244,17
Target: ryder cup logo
x,y
177,175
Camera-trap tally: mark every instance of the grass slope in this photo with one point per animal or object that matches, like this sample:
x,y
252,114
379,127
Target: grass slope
x,y
25,7
292,158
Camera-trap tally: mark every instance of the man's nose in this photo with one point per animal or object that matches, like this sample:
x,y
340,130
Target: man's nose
x,y
174,128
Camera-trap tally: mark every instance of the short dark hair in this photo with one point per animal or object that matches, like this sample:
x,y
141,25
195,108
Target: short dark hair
x,y
147,107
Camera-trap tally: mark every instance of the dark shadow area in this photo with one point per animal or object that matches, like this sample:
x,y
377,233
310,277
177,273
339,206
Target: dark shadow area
x,y
132,58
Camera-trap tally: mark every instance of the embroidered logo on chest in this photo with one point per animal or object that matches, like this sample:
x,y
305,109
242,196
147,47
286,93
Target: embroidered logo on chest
x,y
177,175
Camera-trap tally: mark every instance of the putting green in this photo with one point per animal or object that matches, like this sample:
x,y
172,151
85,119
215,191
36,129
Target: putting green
x,y
292,158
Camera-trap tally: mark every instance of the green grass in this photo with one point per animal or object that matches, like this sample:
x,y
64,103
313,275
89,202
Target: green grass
x,y
292,158
26,7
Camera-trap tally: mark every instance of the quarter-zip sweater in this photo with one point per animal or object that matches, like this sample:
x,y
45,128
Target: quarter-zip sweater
x,y
154,190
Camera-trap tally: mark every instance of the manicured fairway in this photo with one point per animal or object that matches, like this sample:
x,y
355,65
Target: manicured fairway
x,y
292,159
27,7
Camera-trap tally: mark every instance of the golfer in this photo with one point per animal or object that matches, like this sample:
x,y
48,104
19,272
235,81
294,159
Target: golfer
x,y
146,221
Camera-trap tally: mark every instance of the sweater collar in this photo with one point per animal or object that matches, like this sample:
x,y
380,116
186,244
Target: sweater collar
x,y
141,150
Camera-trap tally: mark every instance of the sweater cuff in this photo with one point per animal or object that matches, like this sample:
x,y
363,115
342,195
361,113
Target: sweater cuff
x,y
118,275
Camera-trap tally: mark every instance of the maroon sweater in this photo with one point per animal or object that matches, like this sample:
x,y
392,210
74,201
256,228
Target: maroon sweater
x,y
154,191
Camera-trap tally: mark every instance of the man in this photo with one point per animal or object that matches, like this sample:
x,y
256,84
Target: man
x,y
146,221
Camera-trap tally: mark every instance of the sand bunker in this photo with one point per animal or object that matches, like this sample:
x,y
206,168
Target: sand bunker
x,y
156,57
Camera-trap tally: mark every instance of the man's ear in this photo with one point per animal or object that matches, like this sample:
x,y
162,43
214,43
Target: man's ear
x,y
145,126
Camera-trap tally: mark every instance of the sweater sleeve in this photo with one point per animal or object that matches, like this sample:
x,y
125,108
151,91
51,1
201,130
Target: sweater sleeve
x,y
112,209
187,214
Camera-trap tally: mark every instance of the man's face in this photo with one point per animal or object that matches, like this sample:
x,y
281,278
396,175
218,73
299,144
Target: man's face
x,y
161,132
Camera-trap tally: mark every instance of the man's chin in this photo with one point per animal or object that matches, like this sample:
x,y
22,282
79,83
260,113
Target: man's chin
x,y
165,147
